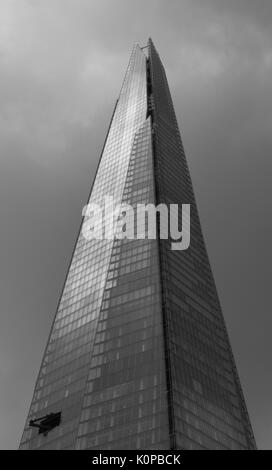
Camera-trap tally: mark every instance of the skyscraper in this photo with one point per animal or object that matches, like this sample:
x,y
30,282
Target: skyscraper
x,y
138,356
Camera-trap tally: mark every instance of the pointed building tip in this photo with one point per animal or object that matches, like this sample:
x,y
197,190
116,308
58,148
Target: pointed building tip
x,y
151,42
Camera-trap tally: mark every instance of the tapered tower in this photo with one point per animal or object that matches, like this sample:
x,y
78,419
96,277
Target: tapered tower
x,y
138,356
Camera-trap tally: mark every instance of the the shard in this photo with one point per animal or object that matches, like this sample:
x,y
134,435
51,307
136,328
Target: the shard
x,y
138,356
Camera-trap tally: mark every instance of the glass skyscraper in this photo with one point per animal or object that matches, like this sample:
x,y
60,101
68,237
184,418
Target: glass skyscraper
x,y
138,356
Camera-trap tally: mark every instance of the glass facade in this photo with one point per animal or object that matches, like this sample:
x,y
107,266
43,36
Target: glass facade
x,y
138,356
207,405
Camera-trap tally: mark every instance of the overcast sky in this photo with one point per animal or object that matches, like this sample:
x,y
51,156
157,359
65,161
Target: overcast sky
x,y
62,64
